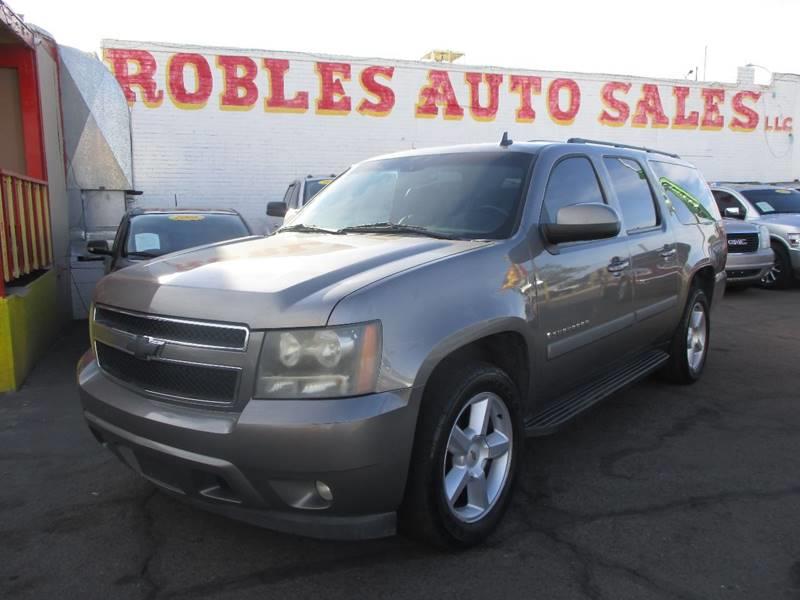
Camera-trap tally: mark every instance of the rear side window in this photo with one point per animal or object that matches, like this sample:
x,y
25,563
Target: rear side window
x,y
633,192
688,193
572,181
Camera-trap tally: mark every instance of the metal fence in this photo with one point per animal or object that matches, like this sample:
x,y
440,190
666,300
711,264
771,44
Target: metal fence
x,y
25,235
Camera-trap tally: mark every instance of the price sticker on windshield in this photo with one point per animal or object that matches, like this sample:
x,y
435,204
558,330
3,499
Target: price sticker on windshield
x,y
186,218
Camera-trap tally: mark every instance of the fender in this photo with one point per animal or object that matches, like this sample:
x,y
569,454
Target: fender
x,y
470,334
777,238
432,310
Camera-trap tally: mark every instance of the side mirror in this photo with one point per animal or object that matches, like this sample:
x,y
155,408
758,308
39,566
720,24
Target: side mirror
x,y
276,209
734,212
98,248
582,222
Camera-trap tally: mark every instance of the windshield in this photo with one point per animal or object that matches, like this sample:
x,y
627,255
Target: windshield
x,y
157,234
313,186
774,200
467,195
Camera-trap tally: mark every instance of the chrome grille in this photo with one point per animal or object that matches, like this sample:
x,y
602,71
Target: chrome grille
x,y
179,331
740,243
186,381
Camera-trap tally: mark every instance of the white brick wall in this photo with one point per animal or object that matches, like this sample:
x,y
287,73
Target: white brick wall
x,y
211,157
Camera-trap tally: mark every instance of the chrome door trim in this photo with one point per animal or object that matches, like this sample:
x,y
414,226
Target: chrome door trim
x,y
561,347
139,315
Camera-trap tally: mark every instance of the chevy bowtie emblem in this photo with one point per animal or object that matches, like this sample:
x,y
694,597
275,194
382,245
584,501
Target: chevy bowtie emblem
x,y
144,347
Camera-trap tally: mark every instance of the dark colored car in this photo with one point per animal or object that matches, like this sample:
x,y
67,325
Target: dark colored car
x,y
146,233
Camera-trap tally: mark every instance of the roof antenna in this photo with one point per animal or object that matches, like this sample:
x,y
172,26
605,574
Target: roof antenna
x,y
505,141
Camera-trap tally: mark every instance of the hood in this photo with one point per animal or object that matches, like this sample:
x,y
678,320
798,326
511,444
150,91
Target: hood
x,y
737,226
285,280
786,221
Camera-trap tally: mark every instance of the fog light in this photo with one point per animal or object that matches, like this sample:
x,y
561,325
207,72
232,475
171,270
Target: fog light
x,y
324,491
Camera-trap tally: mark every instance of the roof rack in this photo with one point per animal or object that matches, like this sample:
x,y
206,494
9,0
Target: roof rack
x,y
741,183
616,145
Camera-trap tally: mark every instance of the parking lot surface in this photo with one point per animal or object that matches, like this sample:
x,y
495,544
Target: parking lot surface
x,y
660,492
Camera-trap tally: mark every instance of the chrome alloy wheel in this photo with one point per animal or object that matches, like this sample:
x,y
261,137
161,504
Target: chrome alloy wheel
x,y
478,457
772,275
696,338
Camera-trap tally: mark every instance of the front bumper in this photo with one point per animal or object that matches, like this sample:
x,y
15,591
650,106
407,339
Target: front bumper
x,y
262,465
749,267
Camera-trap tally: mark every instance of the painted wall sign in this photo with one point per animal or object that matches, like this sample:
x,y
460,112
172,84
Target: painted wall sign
x,y
228,127
189,84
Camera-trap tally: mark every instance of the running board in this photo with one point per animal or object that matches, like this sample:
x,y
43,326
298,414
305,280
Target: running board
x,y
574,403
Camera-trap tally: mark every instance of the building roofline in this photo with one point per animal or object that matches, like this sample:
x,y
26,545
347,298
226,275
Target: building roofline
x,y
425,65
15,23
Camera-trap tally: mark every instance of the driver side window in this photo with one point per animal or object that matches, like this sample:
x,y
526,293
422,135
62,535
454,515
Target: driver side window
x,y
572,181
725,200
288,197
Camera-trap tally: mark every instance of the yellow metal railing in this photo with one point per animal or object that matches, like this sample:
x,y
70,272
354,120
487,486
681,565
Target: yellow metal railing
x,y
25,235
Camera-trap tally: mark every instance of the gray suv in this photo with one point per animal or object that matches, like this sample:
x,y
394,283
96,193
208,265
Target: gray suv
x,y
778,209
379,362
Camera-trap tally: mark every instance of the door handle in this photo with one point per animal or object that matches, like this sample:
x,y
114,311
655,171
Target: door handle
x,y
668,252
617,265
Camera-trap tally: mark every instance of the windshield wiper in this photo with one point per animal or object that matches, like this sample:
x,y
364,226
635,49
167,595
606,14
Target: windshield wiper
x,y
308,229
385,227
143,254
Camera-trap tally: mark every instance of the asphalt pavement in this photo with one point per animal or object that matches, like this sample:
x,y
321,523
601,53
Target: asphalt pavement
x,y
660,492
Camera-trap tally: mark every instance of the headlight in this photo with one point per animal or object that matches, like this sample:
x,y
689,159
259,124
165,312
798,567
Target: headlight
x,y
794,240
763,234
328,362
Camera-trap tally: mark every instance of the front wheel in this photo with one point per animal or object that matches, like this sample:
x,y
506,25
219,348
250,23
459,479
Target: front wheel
x,y
779,277
466,454
689,346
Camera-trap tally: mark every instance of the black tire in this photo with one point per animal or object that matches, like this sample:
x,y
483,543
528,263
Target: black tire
x,y
425,514
678,369
780,276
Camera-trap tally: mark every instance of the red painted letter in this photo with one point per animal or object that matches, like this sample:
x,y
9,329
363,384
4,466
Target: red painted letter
x,y
333,100
143,78
649,104
239,91
439,91
483,113
176,83
622,109
711,101
681,120
526,86
276,100
383,93
750,121
563,117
